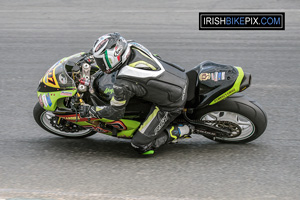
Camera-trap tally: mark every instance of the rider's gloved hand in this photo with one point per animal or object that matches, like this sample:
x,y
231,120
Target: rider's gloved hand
x,y
84,110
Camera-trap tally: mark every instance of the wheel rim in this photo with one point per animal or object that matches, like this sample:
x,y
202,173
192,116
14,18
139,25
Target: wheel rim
x,y
45,119
244,123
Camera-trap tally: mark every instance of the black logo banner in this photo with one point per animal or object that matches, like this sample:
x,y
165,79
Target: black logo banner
x,y
241,21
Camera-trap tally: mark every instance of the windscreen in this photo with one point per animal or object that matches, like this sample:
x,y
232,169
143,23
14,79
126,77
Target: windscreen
x,y
57,77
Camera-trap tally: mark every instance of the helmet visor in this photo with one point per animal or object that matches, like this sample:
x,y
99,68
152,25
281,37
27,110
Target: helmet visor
x,y
101,63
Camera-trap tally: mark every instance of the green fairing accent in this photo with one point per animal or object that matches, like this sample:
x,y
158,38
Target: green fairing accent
x,y
234,89
107,60
150,152
126,134
60,103
54,97
106,120
131,125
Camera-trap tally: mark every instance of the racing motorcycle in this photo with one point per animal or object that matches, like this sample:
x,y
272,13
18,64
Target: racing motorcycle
x,y
215,108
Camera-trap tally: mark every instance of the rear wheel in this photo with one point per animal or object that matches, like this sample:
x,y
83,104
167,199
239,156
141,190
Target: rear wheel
x,y
61,127
243,117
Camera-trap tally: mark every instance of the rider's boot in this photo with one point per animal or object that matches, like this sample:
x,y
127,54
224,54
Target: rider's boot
x,y
179,131
173,134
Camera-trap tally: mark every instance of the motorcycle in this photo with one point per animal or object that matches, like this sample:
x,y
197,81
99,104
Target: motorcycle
x,y
215,108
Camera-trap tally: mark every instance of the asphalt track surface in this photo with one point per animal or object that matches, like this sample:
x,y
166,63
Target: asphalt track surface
x,y
34,34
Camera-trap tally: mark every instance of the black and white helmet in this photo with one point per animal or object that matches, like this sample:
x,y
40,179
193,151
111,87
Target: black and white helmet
x,y
110,52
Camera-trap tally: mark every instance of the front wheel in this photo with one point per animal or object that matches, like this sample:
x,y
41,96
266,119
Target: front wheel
x,y
242,116
48,121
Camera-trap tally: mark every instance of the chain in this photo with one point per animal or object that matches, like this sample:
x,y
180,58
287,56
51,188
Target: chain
x,y
235,129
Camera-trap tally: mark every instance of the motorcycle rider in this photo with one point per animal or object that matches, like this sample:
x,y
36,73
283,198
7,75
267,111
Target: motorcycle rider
x,y
145,76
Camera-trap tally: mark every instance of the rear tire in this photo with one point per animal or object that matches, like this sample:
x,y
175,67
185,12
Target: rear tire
x,y
42,118
240,110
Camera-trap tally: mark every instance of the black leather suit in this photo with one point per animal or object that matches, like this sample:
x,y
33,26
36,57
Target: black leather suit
x,y
153,80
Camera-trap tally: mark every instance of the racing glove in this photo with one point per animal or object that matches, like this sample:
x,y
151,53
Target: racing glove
x,y
87,111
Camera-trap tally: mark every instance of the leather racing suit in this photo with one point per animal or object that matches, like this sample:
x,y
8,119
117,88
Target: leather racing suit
x,y
153,80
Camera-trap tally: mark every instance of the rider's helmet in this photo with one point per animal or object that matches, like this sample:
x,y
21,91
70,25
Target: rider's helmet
x,y
110,52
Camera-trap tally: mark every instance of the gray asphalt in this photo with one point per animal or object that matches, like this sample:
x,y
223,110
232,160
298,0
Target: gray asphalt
x,y
34,34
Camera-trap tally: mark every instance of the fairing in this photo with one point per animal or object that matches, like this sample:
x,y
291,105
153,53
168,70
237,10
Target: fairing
x,y
57,83
123,128
216,82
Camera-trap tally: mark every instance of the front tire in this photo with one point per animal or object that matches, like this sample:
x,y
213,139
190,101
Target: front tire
x,y
43,119
240,110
